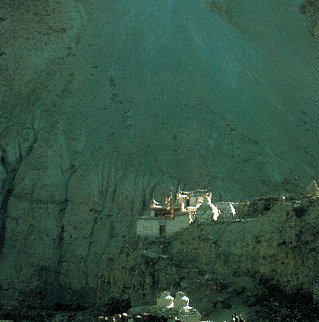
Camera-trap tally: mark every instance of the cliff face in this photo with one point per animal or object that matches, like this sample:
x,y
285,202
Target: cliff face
x,y
108,103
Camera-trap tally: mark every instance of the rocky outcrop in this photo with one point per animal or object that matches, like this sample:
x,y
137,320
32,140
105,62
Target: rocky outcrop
x,y
310,8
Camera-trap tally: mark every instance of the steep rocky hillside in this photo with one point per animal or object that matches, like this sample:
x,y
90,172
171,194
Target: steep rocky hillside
x,y
268,258
105,104
263,265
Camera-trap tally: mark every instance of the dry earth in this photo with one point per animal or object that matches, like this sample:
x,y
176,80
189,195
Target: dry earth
x,y
105,104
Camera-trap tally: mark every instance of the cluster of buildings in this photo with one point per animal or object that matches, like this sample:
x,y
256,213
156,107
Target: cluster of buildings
x,y
179,212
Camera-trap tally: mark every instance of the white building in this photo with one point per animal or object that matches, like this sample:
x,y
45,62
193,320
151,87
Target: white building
x,y
175,215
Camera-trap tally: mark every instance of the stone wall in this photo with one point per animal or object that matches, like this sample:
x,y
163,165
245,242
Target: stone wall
x,y
177,224
150,227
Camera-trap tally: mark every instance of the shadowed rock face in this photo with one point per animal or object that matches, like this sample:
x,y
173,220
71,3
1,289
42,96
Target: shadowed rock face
x,y
109,103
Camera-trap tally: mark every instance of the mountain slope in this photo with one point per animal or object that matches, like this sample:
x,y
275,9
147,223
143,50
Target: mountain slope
x,y
106,104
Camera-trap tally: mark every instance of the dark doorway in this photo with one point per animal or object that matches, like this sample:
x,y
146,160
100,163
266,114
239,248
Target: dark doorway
x,y
162,230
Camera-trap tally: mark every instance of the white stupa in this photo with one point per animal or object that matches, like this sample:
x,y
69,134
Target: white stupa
x,y
165,300
181,300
